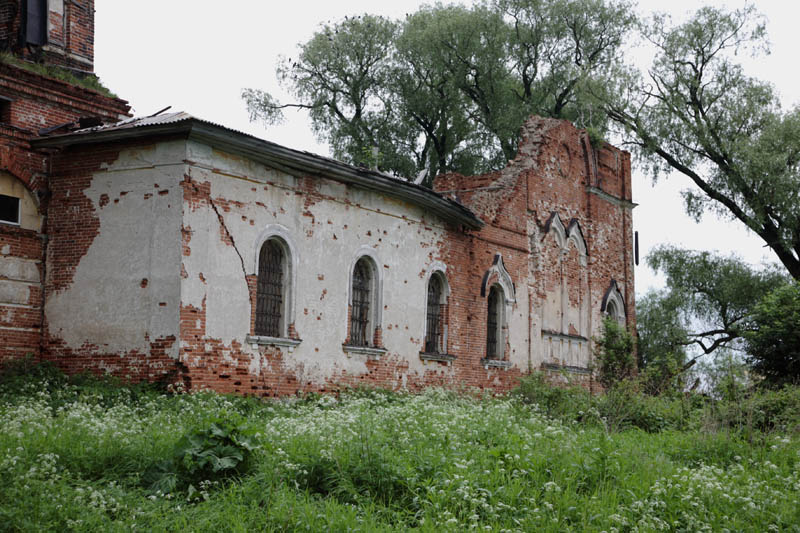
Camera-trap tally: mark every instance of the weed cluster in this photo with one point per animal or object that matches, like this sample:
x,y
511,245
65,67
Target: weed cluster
x,y
100,456
88,81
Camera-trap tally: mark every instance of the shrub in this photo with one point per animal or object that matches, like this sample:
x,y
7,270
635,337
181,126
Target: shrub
x,y
614,354
564,403
217,452
760,410
625,406
773,336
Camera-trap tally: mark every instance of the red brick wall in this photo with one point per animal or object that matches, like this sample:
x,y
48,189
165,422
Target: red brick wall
x,y
40,102
10,17
557,168
70,35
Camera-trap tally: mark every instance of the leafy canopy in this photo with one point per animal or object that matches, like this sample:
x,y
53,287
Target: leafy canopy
x,y
709,296
773,336
448,88
696,112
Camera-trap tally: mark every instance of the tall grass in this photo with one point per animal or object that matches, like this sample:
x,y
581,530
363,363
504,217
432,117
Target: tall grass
x,y
72,457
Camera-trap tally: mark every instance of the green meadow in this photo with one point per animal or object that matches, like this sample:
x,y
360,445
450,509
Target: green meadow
x,y
91,455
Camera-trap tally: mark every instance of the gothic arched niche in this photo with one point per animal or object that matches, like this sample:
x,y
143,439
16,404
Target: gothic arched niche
x,y
613,304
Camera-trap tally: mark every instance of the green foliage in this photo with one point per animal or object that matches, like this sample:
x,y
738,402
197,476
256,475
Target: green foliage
x,y
773,336
706,303
624,406
448,88
216,452
699,114
88,81
374,460
570,403
661,341
614,354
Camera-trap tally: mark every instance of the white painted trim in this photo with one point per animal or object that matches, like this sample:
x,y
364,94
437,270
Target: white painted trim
x,y
559,231
576,237
369,351
495,363
503,278
256,340
504,311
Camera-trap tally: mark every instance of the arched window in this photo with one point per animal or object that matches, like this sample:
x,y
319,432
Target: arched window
x,y
494,323
270,291
433,319
361,330
611,310
613,304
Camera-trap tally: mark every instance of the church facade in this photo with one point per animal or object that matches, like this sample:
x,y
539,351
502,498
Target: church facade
x,y
171,248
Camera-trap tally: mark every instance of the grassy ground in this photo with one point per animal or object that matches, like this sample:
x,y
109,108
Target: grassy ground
x,y
84,456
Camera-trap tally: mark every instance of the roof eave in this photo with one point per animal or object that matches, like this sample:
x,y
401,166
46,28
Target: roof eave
x,y
293,161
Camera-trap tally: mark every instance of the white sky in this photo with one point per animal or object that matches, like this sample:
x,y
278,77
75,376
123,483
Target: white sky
x,y
197,56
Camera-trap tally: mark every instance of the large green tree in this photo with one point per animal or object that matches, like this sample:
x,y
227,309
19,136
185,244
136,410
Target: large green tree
x,y
662,338
342,77
706,304
448,88
696,112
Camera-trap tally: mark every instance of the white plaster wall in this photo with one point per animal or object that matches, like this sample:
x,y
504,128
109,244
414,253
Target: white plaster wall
x,y
518,327
139,239
327,236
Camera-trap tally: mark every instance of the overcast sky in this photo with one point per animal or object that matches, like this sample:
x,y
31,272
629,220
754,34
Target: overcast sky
x,y
197,56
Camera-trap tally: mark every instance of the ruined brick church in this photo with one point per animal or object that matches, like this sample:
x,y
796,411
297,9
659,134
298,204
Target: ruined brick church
x,y
168,247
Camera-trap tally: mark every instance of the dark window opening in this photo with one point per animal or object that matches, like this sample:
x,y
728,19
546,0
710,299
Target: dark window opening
x,y
269,291
433,330
5,110
359,318
36,22
9,209
491,323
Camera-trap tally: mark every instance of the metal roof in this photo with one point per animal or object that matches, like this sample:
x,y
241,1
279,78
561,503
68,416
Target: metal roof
x,y
296,162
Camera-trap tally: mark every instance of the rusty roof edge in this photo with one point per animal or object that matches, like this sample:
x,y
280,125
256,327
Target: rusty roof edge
x,y
268,152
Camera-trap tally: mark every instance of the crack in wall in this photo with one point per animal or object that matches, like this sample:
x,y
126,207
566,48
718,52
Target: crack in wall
x,y
223,225
228,233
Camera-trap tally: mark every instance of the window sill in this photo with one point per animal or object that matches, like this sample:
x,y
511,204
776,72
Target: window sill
x,y
566,368
262,340
495,363
369,351
440,357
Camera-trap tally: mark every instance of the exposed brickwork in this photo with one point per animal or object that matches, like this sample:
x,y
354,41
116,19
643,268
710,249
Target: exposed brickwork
x,y
34,102
72,222
39,102
132,366
558,231
20,298
70,33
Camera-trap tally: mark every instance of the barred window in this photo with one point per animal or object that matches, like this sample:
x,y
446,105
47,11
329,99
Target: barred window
x,y
433,329
269,292
360,334
493,323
